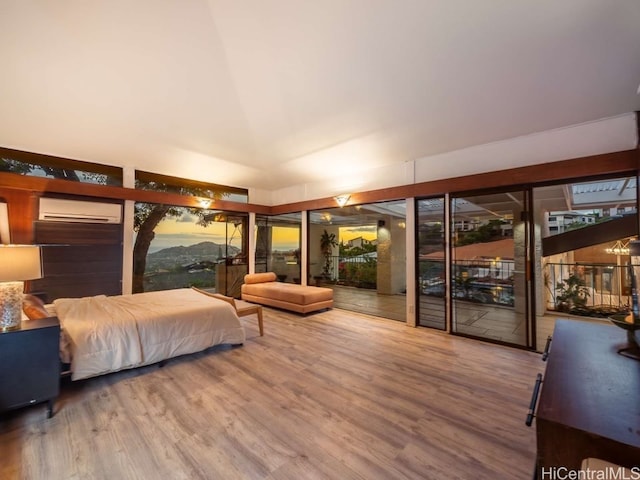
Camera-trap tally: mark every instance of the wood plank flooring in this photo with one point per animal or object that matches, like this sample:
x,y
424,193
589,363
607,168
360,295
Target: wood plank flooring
x,y
333,395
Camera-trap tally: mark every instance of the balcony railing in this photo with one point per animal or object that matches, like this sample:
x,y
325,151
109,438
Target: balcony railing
x,y
594,290
357,271
587,289
481,281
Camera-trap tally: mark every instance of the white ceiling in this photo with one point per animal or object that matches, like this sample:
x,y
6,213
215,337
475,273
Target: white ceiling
x,y
273,93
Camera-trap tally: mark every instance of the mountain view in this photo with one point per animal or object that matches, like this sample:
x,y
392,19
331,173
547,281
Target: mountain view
x,y
193,265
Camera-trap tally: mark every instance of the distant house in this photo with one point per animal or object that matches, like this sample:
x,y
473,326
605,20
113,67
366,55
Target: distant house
x,y
559,222
358,242
488,259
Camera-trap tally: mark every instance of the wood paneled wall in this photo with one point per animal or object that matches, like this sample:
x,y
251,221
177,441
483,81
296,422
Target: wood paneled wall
x,y
79,259
23,209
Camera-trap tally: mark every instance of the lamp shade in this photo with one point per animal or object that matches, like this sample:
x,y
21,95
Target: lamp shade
x,y
20,262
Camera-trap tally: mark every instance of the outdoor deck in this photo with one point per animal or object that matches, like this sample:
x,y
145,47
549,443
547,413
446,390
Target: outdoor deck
x,y
487,321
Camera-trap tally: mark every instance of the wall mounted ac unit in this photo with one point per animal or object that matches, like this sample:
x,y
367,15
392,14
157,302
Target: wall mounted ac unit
x,y
61,210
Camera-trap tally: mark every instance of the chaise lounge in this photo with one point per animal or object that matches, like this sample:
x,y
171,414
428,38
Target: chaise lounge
x,y
264,289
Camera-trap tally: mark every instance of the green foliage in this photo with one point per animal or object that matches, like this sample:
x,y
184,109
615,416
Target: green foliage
x,y
431,269
360,274
327,243
345,251
143,211
578,224
483,234
464,281
147,216
15,166
431,234
573,294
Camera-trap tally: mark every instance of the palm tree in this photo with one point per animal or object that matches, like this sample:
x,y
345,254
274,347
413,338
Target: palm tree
x,y
327,243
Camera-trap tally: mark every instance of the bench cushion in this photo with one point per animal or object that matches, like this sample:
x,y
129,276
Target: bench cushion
x,y
260,277
288,292
261,288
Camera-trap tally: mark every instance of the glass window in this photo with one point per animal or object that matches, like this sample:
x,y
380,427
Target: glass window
x,y
182,186
177,247
583,273
32,164
488,263
278,240
431,263
360,252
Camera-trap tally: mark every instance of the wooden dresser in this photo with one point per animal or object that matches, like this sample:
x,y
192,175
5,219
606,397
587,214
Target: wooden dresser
x,y
589,404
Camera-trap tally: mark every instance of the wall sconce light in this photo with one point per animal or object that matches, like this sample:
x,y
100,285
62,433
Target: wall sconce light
x,y
342,200
19,263
205,202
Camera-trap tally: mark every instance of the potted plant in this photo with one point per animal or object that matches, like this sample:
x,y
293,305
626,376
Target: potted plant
x,y
327,243
572,296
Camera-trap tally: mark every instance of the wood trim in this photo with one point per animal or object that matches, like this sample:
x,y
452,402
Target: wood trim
x,y
638,132
59,162
609,163
52,185
595,234
23,207
183,182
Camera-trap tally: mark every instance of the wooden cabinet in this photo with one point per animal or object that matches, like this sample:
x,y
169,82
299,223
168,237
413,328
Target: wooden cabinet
x,y
30,364
589,404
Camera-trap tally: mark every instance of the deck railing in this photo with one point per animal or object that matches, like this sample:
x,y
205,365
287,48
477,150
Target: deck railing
x,y
599,289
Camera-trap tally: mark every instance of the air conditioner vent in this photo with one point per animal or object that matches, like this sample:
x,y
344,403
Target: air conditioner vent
x,y
62,210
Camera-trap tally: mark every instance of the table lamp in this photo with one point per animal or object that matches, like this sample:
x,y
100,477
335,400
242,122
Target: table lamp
x,y
17,263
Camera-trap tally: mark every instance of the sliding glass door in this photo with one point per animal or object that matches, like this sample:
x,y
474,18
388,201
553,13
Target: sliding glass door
x,y
582,231
430,227
490,290
278,240
360,252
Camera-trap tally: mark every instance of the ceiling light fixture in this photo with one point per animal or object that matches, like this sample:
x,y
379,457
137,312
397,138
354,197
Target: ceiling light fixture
x,y
619,248
205,202
342,200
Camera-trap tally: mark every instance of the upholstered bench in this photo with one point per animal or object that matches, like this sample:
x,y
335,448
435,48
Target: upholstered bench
x,y
263,288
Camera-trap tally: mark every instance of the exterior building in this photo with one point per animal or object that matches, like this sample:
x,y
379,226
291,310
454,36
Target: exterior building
x,y
559,222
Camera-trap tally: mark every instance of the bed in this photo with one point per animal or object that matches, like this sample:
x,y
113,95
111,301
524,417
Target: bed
x,y
111,333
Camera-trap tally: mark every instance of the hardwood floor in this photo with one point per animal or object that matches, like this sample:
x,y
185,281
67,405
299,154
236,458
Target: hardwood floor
x,y
333,395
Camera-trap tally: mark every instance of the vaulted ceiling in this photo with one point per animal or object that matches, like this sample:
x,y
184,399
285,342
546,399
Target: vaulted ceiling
x,y
271,93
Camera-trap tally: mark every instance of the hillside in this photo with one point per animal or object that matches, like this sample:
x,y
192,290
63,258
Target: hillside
x,y
173,258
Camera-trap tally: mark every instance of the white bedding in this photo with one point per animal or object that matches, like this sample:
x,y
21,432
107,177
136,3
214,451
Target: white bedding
x,y
108,334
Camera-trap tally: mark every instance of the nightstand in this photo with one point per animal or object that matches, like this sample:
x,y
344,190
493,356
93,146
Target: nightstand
x,y
30,364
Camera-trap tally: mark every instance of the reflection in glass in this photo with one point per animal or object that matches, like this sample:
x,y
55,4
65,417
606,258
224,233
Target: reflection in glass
x,y
278,240
582,233
190,248
360,252
431,263
488,257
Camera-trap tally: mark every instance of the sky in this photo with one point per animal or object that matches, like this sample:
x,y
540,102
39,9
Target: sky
x,y
184,231
368,232
173,232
